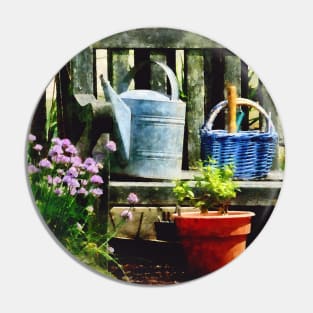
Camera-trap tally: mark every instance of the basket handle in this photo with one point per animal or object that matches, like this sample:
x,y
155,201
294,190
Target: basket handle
x,y
239,101
170,75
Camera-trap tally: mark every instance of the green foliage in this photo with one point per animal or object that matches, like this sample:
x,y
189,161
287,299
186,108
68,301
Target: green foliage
x,y
213,187
92,247
65,191
51,123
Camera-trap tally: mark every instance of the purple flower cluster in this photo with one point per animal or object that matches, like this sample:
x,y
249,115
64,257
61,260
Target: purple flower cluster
x,y
127,215
132,198
111,146
65,172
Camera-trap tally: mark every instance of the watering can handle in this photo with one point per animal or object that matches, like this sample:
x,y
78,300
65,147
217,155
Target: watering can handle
x,y
239,101
170,74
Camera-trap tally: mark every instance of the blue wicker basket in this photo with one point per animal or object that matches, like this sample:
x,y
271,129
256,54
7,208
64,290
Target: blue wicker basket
x,y
251,152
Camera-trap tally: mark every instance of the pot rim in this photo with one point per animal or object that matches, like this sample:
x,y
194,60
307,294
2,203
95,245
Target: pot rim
x,y
215,215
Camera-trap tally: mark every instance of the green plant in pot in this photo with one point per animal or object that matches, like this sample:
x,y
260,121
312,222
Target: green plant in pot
x,y
214,188
214,235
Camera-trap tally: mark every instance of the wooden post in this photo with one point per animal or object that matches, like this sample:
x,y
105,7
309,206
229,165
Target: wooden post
x,y
195,103
232,74
244,94
82,72
118,67
62,81
268,104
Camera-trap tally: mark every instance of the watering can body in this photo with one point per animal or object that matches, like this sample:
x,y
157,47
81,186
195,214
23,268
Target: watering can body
x,y
149,130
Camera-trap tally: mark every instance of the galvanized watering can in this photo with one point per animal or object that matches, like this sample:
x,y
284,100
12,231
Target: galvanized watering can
x,y
149,130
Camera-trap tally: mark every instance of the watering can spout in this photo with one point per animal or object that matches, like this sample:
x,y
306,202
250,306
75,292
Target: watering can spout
x,y
121,121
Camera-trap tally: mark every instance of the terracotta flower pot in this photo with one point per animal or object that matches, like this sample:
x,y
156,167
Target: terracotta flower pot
x,y
212,240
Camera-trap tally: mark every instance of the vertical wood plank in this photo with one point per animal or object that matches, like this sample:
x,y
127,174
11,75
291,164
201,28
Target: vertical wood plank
x,y
195,103
62,97
118,67
266,101
244,94
232,72
158,79
82,72
208,81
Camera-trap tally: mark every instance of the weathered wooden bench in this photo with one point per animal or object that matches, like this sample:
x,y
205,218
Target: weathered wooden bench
x,y
206,67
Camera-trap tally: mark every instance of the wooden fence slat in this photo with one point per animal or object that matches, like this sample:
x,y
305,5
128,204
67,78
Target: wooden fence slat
x,y
195,102
263,193
118,66
82,72
156,38
158,79
245,94
232,72
208,81
266,101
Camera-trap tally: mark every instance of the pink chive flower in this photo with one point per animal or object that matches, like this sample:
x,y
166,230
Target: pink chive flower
x,y
32,169
61,159
65,142
67,179
55,150
58,191
71,149
76,161
132,198
72,172
56,180
96,179
92,169
73,183
127,215
49,179
37,147
111,146
31,138
45,163
82,191
89,161
91,166
97,192
73,191
57,141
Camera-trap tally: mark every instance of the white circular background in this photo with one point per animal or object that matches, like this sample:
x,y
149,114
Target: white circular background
x,y
275,39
